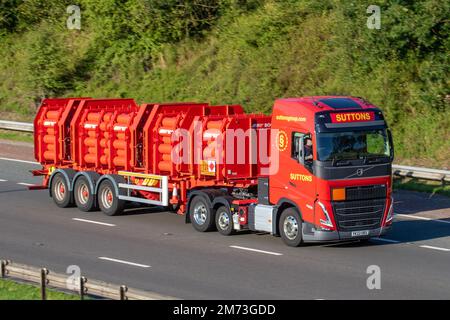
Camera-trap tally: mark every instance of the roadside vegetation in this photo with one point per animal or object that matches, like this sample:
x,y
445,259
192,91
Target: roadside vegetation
x,y
10,290
237,52
16,136
433,187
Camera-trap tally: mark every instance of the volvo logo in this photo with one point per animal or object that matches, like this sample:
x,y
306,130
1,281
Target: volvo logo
x,y
359,172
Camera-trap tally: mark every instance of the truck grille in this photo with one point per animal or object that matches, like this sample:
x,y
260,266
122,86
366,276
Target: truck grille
x,y
366,192
362,210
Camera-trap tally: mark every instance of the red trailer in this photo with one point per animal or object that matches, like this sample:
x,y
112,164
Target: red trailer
x,y
224,168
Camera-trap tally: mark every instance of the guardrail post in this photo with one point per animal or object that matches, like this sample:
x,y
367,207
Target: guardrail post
x,y
44,273
122,292
83,280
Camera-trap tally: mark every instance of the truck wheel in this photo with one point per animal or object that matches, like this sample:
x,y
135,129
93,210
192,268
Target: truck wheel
x,y
60,191
202,216
108,201
84,199
290,227
224,221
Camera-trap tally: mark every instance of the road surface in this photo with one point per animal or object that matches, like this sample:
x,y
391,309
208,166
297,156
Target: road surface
x,y
156,251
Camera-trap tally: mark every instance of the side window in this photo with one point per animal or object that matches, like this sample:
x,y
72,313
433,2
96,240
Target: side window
x,y
296,151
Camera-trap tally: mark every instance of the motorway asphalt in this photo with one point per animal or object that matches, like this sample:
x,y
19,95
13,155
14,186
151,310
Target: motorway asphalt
x,y
152,250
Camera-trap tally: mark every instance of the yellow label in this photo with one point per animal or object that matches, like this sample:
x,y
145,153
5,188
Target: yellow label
x,y
300,177
150,182
208,168
358,116
282,140
290,118
51,170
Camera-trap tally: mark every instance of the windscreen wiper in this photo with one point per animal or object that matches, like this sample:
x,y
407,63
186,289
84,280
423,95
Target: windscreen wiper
x,y
371,159
336,162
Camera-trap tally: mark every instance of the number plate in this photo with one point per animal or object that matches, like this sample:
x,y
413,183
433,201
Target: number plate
x,y
360,233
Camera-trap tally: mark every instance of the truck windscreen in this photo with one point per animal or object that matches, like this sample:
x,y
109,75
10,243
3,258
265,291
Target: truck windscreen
x,y
352,145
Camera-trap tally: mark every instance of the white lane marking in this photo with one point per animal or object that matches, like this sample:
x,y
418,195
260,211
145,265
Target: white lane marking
x,y
435,248
442,221
386,240
17,160
125,262
3,180
25,184
422,218
411,216
257,250
95,222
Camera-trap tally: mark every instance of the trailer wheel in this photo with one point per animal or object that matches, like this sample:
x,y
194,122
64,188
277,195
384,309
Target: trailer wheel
x,y
201,214
84,199
108,201
60,191
290,227
224,221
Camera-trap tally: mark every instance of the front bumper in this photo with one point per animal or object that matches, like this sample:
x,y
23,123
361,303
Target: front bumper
x,y
333,236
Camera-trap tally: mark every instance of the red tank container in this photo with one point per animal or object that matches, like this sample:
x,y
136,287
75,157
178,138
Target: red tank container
x,y
185,142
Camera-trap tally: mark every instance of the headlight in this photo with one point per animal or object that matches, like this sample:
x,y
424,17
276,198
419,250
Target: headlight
x,y
391,214
327,221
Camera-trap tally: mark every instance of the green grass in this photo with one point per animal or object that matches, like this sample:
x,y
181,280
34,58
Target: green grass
x,y
10,290
433,187
16,136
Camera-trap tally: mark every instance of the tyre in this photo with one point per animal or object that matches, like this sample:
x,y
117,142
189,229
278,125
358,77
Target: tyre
x,y
202,216
290,227
224,221
84,199
108,201
60,191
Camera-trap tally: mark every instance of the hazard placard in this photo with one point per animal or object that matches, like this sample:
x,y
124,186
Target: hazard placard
x,y
208,168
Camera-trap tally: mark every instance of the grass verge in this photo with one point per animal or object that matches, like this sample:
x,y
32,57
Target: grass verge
x,y
10,290
433,187
16,136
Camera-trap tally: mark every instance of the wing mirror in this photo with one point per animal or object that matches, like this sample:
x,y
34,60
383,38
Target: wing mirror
x,y
391,145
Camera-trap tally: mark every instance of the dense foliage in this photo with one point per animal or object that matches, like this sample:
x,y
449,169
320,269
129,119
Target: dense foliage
x,y
237,51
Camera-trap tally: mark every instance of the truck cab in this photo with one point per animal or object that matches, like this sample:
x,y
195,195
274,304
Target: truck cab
x,y
333,180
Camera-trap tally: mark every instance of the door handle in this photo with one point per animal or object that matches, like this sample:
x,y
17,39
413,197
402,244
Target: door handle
x,y
292,184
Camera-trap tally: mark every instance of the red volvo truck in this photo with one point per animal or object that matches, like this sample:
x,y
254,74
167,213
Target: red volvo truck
x,y
318,169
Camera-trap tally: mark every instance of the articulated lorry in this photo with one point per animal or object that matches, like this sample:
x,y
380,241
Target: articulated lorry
x,y
318,169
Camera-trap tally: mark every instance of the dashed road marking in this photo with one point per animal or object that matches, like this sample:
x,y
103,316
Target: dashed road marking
x,y
435,248
125,262
3,180
257,250
18,160
25,184
94,222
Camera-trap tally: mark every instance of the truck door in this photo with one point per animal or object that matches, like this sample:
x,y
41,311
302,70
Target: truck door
x,y
294,180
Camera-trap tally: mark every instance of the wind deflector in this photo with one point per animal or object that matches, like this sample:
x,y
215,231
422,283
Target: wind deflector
x,y
340,103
